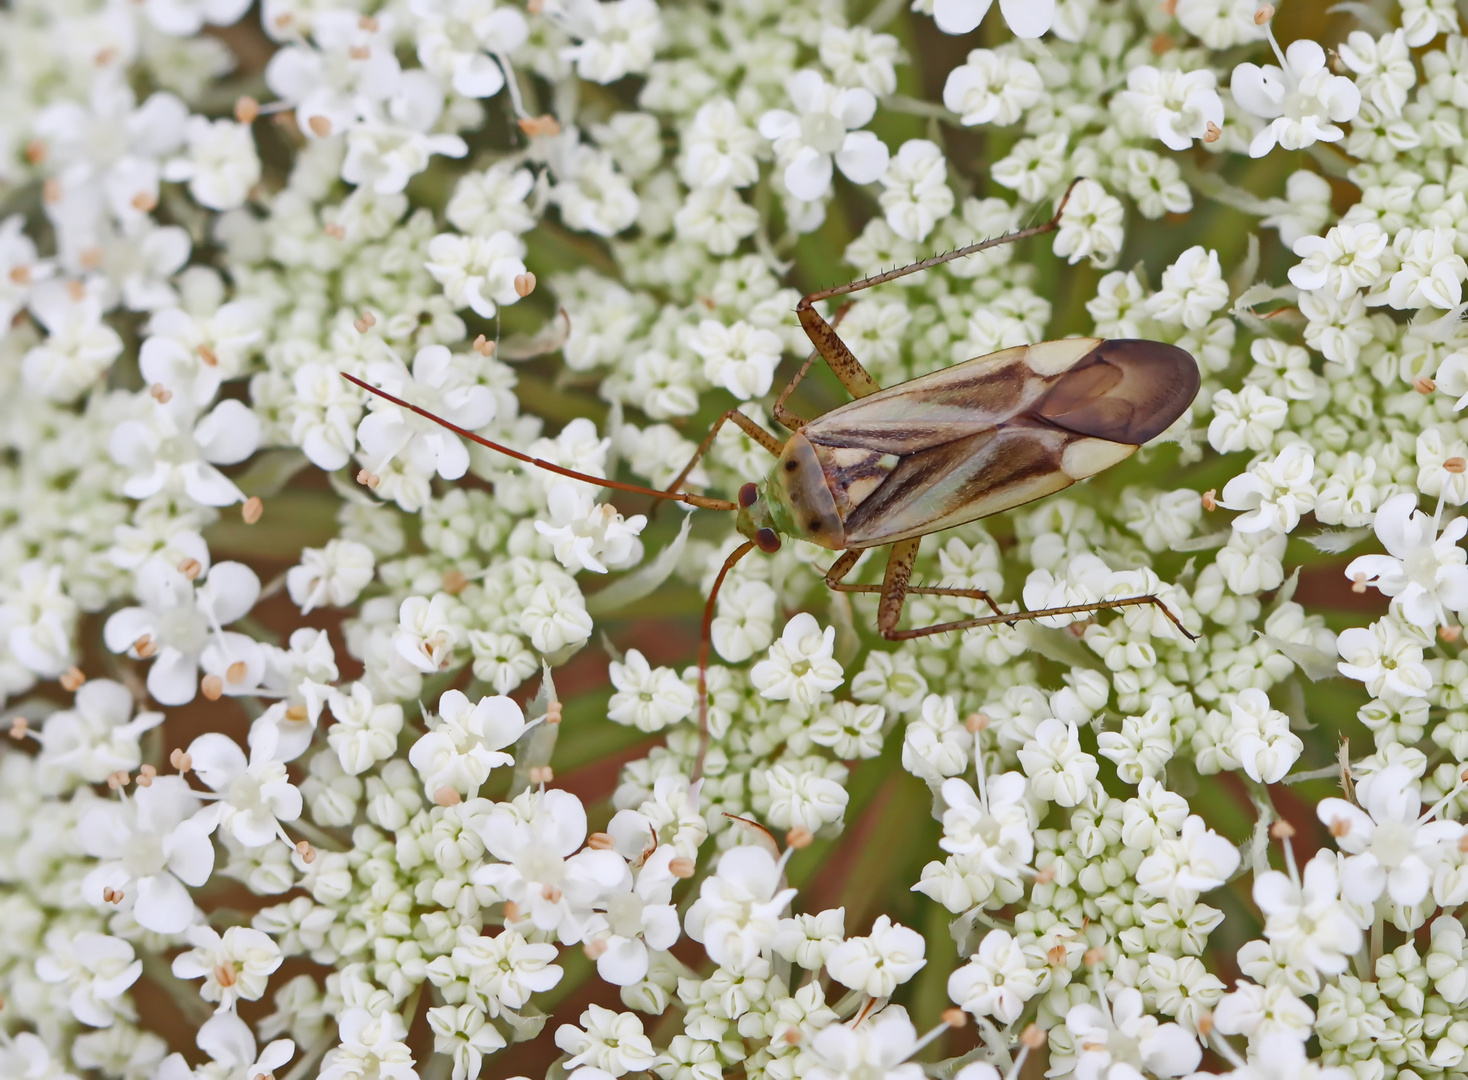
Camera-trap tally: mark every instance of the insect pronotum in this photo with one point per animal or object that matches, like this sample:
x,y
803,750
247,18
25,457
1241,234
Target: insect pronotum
x,y
940,450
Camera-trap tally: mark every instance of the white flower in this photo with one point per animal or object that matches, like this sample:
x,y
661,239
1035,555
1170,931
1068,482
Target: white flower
x,y
1260,737
1304,210
1090,226
255,794
1059,770
393,142
636,921
915,192
493,200
612,1042
1220,24
1423,573
875,1049
587,535
995,829
1423,20
177,622
822,127
1383,67
616,39
79,347
879,963
1120,1041
1027,18
803,799
1192,290
1308,919
648,698
1301,99
19,270
456,37
996,981
1345,260
234,967
593,195
221,166
719,148
371,1046
745,623
96,971
1387,657
858,56
334,575
446,386
477,272
428,631
534,838
465,742
171,452
992,88
1275,493
185,18
465,1034
801,666
1432,271
96,737
1174,106
1390,846
741,358
151,846
1195,861
365,732
1246,420
738,909
503,970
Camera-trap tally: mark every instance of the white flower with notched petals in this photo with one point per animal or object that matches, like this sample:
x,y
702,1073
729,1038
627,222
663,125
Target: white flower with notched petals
x,y
588,535
173,452
745,623
1260,737
235,967
1387,658
150,847
1275,493
371,1045
1192,290
254,794
738,909
608,1041
503,970
1194,861
801,665
824,126
1173,106
465,1034
719,148
1059,770
802,799
994,828
741,358
492,201
1343,261
331,576
992,88
1300,99
396,140
221,166
94,969
1307,918
858,56
1220,24
1423,20
875,1049
185,18
1026,18
648,698
456,40
176,622
1090,226
634,922
1425,574
1383,67
20,270
996,981
1246,420
614,39
1121,1039
96,737
477,272
38,619
593,195
1390,846
915,194
233,1052
1431,273
879,963
79,347
365,731
465,742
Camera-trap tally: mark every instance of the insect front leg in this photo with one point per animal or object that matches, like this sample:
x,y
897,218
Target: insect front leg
x,y
842,566
1011,618
745,424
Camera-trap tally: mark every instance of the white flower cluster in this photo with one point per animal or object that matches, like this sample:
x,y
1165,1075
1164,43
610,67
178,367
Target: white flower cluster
x,y
278,658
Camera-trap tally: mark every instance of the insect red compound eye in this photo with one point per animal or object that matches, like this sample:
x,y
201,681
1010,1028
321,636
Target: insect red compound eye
x,y
767,540
748,495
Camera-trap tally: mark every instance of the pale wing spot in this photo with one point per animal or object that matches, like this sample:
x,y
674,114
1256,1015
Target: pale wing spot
x,y
1087,457
1053,357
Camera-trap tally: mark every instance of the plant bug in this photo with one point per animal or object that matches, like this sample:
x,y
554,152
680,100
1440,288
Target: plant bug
x,y
940,450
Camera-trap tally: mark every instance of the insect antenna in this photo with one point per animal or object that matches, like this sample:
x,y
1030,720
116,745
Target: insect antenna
x,y
701,501
705,640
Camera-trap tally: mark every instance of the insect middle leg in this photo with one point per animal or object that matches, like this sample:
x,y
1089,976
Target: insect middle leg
x,y
839,358
842,566
891,633
770,442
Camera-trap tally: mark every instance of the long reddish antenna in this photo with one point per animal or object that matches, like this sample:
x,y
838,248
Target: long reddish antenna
x,y
703,502
703,657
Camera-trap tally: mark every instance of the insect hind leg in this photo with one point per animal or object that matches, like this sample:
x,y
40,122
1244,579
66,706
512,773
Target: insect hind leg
x,y
1010,618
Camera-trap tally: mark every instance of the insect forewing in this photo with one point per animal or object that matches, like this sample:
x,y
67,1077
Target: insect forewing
x,y
995,432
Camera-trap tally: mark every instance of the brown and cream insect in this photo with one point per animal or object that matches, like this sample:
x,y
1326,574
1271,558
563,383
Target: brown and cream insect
x,y
953,446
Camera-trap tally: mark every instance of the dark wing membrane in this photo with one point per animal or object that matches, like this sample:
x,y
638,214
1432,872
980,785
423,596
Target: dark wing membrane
x,y
961,481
